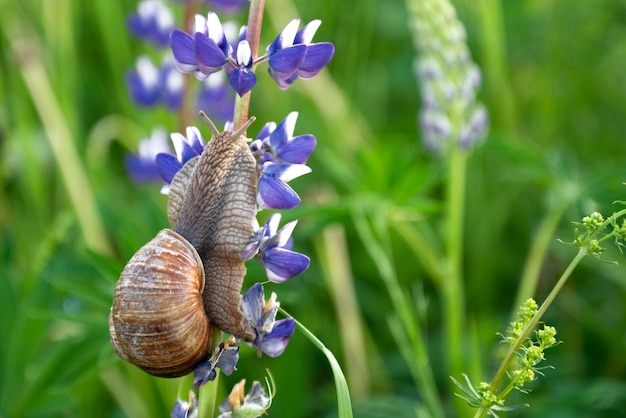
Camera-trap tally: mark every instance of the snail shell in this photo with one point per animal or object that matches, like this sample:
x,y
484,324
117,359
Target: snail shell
x,y
157,320
188,278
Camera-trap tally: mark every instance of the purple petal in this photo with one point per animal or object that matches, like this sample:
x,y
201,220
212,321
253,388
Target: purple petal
x,y
283,81
266,131
171,84
252,304
298,150
305,35
242,80
317,56
285,171
275,342
276,194
194,137
136,26
187,152
167,165
142,93
203,373
215,31
184,51
283,131
209,56
281,265
229,6
288,60
228,360
217,101
141,170
284,38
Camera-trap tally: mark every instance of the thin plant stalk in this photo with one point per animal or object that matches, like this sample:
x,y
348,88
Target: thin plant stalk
x,y
582,252
452,285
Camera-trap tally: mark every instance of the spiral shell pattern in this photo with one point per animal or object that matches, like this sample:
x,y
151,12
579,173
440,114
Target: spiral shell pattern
x,y
157,320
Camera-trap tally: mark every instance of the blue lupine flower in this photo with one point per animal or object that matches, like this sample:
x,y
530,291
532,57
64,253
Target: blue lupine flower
x,y
184,409
272,336
216,99
186,149
292,54
206,51
203,53
152,22
273,191
277,143
273,249
171,85
254,404
143,82
224,356
141,166
148,85
229,6
242,78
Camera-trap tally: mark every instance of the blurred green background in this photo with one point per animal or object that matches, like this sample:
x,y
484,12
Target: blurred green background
x,y
554,82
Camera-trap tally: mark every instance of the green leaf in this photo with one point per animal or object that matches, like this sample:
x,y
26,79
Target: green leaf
x,y
344,404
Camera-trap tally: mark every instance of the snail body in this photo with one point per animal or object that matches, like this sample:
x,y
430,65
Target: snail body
x,y
190,277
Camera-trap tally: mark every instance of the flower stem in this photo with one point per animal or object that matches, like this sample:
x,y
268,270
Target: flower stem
x,y
255,19
453,293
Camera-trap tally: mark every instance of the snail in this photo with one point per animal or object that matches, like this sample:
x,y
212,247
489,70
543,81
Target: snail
x,y
190,277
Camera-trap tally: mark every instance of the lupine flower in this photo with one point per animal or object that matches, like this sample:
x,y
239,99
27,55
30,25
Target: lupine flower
x,y
273,249
292,54
280,158
229,6
449,79
143,82
274,192
277,143
184,409
186,149
152,22
224,356
216,99
241,78
253,405
171,85
272,336
141,166
148,85
208,51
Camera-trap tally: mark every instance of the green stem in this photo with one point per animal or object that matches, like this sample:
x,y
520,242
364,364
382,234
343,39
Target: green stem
x,y
582,252
453,293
